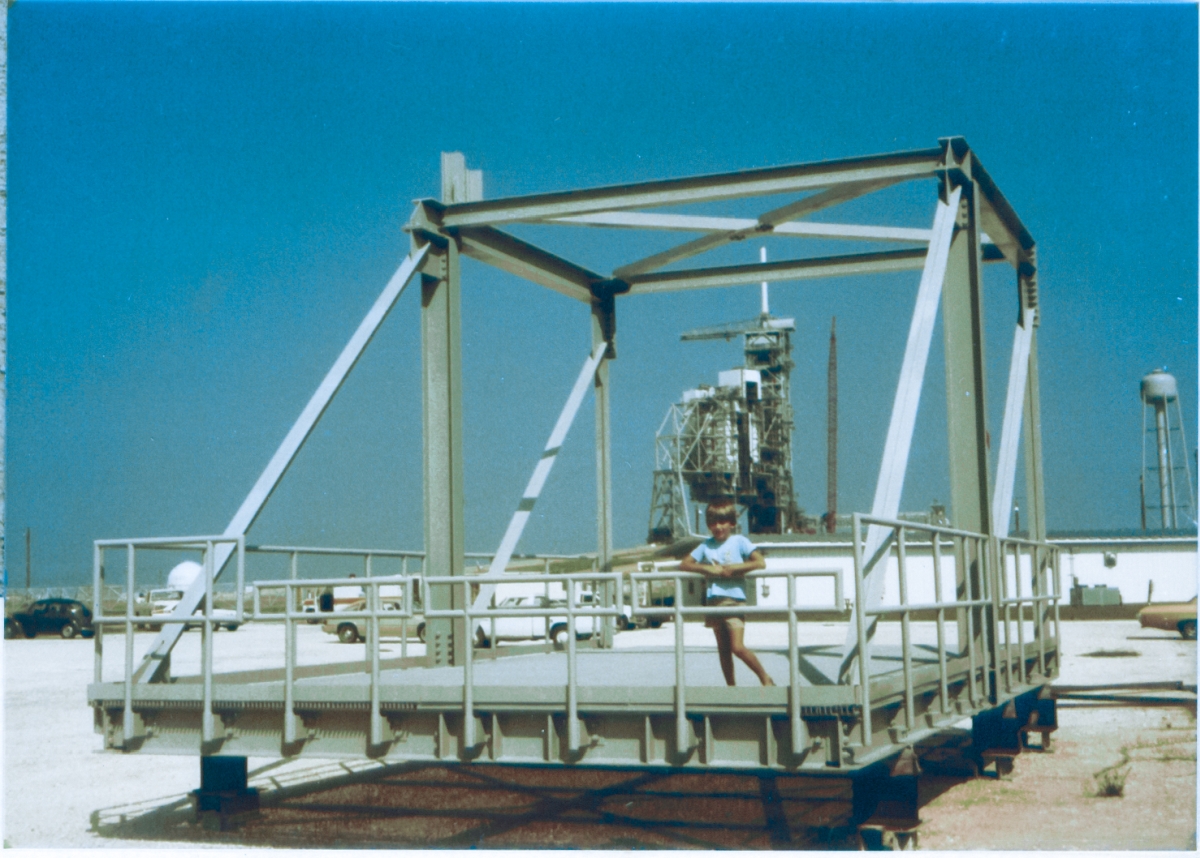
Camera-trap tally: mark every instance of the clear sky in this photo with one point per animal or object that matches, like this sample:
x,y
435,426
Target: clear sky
x,y
205,199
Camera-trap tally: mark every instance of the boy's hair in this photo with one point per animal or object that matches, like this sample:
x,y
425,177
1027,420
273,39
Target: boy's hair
x,y
721,510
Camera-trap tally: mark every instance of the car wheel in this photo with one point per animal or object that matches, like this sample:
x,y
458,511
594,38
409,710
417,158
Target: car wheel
x,y
1188,629
12,629
69,631
421,633
347,633
656,624
232,627
481,639
558,636
623,623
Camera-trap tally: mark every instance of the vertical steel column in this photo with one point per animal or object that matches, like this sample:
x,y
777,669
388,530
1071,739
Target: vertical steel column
x,y
603,330
962,328
441,363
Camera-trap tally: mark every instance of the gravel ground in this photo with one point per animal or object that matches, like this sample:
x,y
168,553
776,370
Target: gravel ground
x,y
57,781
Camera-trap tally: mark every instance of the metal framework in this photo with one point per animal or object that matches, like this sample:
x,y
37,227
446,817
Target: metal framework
x,y
841,707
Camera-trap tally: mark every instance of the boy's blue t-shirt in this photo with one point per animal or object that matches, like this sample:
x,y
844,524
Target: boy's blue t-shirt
x,y
735,549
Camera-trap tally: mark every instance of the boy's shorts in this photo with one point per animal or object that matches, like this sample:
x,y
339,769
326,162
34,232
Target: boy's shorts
x,y
731,620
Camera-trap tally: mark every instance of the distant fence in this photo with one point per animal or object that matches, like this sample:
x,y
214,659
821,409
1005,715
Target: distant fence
x,y
17,597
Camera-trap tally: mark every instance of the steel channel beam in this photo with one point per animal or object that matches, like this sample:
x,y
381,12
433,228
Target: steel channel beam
x,y
747,183
441,389
1010,434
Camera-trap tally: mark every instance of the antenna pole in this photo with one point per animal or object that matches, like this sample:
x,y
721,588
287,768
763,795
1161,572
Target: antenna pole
x,y
762,257
831,439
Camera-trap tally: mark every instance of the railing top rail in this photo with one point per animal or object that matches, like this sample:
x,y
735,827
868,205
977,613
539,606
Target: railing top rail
x,y
520,577
1033,543
167,541
758,573
896,523
356,552
303,583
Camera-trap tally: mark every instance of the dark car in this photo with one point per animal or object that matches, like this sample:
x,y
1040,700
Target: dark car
x,y
65,617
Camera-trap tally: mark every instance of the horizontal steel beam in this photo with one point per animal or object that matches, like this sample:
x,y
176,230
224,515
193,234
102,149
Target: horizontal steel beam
x,y
899,166
526,260
795,269
744,227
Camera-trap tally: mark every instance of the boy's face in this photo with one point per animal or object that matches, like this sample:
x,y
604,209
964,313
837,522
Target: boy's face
x,y
721,530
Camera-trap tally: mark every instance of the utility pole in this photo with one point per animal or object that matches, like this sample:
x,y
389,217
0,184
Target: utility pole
x,y
831,439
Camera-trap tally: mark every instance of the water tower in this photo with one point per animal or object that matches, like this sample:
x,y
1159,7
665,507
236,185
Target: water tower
x,y
1169,460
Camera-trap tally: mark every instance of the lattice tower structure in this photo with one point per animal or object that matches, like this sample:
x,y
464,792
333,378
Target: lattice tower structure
x,y
733,440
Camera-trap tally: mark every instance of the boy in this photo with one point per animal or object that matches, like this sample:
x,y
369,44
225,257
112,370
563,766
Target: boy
x,y
725,559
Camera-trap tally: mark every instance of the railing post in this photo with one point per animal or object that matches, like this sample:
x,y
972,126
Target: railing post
x,y
682,742
206,719
1020,611
905,635
943,679
963,559
376,725
468,669
572,679
127,718
864,659
289,664
98,611
988,553
799,733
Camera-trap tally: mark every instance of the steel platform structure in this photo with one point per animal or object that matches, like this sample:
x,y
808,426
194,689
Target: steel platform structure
x,y
843,708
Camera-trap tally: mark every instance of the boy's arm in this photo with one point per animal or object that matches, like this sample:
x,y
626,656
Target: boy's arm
x,y
752,564
691,564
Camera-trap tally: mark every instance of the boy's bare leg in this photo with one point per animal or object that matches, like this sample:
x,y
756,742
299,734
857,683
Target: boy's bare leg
x,y
725,651
738,648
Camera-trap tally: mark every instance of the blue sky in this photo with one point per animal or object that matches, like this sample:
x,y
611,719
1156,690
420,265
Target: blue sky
x,y
205,199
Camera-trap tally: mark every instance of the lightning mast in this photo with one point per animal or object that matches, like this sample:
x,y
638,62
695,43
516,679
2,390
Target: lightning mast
x,y
831,439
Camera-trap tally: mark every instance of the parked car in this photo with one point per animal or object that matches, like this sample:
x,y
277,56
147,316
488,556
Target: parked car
x,y
1172,616
354,629
532,628
162,602
64,617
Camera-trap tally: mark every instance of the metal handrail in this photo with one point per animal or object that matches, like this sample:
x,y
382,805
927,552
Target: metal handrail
x,y
988,588
205,544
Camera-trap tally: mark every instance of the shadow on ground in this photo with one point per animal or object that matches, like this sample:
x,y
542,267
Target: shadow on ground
x,y
504,806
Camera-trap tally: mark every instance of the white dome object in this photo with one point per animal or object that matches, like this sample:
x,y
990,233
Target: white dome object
x,y
182,576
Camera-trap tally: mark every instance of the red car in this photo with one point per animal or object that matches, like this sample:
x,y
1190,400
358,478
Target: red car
x,y
1172,616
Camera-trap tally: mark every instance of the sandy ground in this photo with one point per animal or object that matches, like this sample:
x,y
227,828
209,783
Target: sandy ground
x,y
58,782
